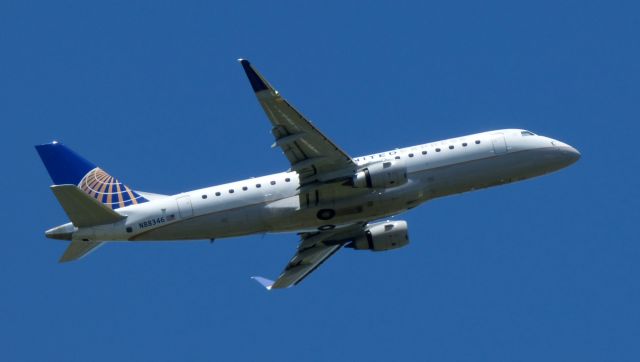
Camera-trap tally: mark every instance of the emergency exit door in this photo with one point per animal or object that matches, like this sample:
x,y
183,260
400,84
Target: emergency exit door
x,y
184,207
499,143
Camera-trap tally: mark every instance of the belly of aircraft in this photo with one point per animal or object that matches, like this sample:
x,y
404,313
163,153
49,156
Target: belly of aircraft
x,y
286,215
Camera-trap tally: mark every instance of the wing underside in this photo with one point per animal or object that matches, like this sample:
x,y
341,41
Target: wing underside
x,y
303,264
313,250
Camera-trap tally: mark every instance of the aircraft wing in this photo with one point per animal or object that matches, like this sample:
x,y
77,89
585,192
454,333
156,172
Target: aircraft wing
x,y
310,153
312,251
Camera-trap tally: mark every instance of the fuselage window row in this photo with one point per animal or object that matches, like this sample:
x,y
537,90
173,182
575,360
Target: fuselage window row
x,y
245,188
424,152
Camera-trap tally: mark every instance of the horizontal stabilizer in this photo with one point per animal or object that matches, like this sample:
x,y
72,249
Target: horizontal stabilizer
x,y
78,249
82,209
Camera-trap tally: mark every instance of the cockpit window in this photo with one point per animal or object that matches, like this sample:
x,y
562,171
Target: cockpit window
x,y
527,133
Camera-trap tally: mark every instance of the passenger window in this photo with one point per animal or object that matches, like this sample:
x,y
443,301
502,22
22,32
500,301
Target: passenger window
x,y
451,147
273,182
437,150
204,196
287,180
258,186
477,142
397,157
231,191
411,155
424,152
244,188
464,144
217,194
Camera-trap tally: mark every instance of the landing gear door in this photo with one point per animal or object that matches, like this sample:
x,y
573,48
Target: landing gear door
x,y
499,143
184,206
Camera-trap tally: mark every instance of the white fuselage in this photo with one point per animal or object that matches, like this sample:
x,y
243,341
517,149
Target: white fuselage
x,y
277,203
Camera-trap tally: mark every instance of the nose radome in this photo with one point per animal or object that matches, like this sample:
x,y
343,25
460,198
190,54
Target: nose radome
x,y
569,153
574,155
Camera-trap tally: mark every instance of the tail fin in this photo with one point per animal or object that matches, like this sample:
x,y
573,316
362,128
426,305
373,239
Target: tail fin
x,y
68,168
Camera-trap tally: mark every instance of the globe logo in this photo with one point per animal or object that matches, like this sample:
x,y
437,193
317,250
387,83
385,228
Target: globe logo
x,y
108,190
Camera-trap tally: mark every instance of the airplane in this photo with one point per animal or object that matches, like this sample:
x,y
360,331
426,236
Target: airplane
x,y
330,199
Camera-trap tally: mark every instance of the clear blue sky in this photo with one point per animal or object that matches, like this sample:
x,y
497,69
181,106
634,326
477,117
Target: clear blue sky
x,y
547,269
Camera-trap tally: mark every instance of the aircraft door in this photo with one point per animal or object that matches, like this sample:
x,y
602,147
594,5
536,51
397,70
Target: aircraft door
x,y
499,143
184,206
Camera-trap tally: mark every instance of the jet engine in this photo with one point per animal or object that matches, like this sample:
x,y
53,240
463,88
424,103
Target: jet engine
x,y
382,236
381,175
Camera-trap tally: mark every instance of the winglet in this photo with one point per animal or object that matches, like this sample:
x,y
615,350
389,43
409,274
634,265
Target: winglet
x,y
267,283
258,83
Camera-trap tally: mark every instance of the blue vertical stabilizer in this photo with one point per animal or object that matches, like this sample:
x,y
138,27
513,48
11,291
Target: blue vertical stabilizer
x,y
64,166
68,168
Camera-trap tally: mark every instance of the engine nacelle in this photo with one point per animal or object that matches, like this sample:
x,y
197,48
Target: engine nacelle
x,y
381,175
382,236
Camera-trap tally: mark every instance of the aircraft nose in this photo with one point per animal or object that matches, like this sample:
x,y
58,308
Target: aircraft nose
x,y
568,153
573,155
